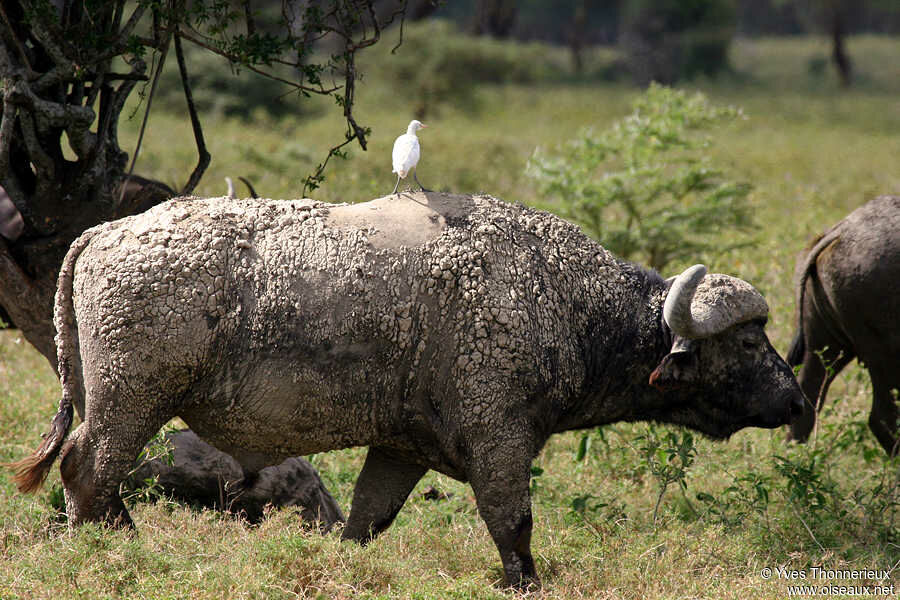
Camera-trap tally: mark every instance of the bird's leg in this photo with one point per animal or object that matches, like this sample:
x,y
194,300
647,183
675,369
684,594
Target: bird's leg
x,y
421,187
396,185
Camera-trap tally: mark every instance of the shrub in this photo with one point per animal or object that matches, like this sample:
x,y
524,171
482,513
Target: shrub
x,y
439,65
670,40
645,188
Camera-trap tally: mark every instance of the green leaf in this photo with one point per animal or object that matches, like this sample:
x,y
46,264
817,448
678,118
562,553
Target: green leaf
x,y
583,446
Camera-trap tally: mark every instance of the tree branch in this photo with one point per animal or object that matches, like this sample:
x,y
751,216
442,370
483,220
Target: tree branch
x,y
49,113
22,299
320,90
312,181
19,47
204,157
49,45
42,161
126,77
402,12
248,17
121,95
121,41
137,149
7,126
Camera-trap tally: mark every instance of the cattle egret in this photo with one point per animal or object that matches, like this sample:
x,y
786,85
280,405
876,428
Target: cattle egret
x,y
406,154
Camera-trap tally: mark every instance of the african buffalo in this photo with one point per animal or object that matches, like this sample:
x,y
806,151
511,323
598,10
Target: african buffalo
x,y
453,333
848,306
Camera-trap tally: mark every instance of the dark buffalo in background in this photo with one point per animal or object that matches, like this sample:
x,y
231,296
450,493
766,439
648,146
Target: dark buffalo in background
x,y
848,304
139,194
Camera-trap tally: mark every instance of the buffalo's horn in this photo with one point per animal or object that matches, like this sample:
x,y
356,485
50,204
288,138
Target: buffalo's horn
x,y
677,309
699,306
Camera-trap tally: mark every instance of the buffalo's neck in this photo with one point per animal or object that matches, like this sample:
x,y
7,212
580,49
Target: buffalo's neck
x,y
624,342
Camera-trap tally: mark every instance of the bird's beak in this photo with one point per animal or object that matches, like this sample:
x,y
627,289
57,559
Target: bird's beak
x,y
424,125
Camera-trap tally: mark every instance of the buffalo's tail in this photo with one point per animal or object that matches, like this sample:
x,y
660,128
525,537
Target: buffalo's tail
x,y
806,269
31,471
797,350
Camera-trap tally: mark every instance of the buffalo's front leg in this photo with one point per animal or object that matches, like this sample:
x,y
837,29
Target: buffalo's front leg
x,y
381,489
500,475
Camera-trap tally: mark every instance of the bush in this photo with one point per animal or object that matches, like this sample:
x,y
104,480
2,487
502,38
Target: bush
x,y
439,65
670,40
645,188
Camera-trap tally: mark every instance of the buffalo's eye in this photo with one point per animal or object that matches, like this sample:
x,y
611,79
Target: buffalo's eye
x,y
748,344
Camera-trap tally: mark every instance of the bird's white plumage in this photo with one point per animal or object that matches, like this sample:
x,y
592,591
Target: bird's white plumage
x,y
405,156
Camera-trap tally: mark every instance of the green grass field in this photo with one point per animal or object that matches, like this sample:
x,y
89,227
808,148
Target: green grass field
x,y
813,153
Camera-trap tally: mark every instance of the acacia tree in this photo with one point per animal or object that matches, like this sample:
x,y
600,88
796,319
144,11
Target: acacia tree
x,y
66,70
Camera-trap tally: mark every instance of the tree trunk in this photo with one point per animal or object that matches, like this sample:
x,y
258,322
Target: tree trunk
x,y
495,18
28,299
838,52
48,95
29,265
579,23
66,69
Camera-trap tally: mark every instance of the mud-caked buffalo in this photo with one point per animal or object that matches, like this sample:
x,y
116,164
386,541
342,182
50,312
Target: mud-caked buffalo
x,y
444,332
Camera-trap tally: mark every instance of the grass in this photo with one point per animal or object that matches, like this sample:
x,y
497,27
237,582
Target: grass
x,y
813,153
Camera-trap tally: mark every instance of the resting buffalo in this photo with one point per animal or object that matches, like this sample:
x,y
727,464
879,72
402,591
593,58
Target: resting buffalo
x,y
138,194
848,306
11,223
444,332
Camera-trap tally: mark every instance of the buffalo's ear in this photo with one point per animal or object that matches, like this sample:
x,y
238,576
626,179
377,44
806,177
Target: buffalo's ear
x,y
678,368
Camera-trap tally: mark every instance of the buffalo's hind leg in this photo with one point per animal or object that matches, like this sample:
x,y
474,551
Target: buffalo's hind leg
x,y
381,489
98,456
823,360
883,418
500,474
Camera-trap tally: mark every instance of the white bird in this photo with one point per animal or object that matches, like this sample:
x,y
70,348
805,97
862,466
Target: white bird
x,y
405,156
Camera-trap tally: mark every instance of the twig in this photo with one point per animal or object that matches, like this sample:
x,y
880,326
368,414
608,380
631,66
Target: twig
x,y
213,49
120,95
596,528
402,11
808,530
126,77
124,33
204,157
137,148
662,492
248,17
311,180
7,126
